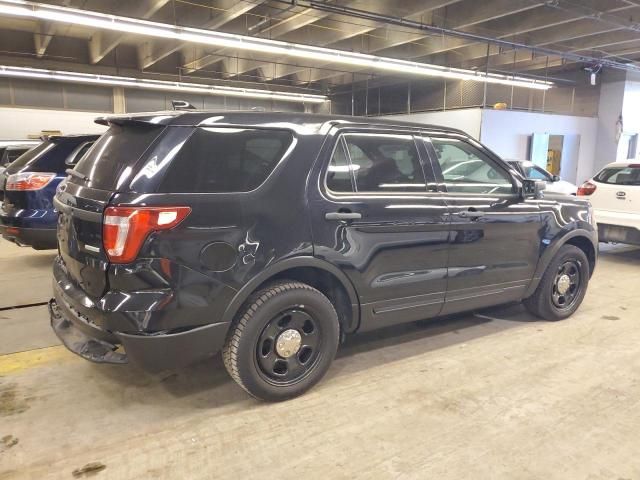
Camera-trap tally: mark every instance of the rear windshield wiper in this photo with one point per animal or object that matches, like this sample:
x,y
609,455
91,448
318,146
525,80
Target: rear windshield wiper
x,y
74,173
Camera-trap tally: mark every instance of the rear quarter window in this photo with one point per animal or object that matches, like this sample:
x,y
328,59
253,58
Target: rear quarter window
x,y
221,160
619,176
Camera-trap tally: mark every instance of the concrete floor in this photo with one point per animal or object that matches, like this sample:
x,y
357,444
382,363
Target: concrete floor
x,y
496,394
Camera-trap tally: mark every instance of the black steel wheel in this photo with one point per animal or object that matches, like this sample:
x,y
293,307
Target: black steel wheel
x,y
563,285
289,347
283,341
566,284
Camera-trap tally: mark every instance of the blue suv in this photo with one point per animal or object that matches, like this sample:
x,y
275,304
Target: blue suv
x,y
27,187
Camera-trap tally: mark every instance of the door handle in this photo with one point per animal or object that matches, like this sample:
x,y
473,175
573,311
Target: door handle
x,y
470,214
342,216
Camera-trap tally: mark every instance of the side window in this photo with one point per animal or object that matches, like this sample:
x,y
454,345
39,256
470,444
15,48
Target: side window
x,y
220,160
467,169
338,173
384,163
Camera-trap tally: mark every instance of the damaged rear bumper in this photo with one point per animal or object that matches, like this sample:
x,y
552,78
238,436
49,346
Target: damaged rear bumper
x,y
152,352
77,340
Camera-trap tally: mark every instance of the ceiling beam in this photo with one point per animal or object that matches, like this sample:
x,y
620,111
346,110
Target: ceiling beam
x,y
323,34
467,15
541,27
323,27
102,42
335,31
154,51
41,39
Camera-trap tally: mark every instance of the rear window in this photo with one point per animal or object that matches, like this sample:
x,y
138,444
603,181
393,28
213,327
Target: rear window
x,y
120,147
619,176
30,157
219,160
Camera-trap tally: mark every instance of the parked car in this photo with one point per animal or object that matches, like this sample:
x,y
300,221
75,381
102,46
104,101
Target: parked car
x,y
270,236
614,193
27,186
11,150
534,172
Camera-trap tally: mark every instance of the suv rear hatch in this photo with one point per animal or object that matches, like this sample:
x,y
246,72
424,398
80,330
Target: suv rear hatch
x,y
616,196
33,160
106,169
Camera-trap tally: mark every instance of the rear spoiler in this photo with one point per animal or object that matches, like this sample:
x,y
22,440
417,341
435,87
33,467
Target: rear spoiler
x,y
155,118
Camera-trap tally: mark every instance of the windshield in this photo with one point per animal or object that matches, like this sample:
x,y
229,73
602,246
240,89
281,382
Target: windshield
x,y
120,147
619,175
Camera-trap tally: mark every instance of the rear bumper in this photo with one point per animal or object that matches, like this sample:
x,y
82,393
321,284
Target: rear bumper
x,y
38,238
618,234
152,352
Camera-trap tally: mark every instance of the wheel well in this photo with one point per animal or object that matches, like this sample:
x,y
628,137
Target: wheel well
x,y
586,246
329,285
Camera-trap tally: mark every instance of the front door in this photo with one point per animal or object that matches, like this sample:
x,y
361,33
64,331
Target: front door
x,y
374,217
495,234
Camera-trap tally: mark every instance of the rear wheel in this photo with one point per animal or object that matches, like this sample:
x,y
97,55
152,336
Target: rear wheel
x,y
563,285
282,342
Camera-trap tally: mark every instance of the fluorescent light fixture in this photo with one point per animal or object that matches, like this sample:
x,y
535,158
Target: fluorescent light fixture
x,y
90,78
66,15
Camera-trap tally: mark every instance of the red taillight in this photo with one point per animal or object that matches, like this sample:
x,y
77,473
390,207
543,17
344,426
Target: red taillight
x,y
125,229
29,180
586,189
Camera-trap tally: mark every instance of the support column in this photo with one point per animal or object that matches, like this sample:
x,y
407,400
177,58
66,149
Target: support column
x,y
119,104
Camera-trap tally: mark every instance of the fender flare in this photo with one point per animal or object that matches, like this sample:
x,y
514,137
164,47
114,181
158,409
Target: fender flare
x,y
552,249
289,263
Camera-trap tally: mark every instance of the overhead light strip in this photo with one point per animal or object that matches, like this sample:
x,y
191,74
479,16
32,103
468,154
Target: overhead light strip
x,y
89,78
117,23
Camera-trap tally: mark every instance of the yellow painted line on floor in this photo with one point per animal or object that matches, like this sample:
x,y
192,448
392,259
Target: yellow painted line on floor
x,y
20,361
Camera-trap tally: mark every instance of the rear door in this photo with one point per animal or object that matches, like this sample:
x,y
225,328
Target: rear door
x,y
374,217
495,235
105,169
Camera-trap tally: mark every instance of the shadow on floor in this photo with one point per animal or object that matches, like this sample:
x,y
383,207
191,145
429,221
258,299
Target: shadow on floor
x,y
44,261
207,384
618,253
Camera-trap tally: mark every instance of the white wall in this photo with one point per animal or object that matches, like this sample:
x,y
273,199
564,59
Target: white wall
x,y
18,123
467,120
507,133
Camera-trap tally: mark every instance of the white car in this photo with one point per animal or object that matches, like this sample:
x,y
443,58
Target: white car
x,y
614,193
533,172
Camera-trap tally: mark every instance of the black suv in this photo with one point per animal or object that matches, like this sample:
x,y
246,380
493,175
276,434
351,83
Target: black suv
x,y
270,236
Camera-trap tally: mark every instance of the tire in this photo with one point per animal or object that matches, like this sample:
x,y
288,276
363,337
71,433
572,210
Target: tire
x,y
264,354
548,302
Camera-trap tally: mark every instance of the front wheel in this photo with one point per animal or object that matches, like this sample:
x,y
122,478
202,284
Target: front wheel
x,y
283,341
563,285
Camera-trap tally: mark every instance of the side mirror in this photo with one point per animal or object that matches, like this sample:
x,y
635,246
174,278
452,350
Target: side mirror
x,y
532,189
555,178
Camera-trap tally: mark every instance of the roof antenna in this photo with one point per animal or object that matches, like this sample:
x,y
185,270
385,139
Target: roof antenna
x,y
182,105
